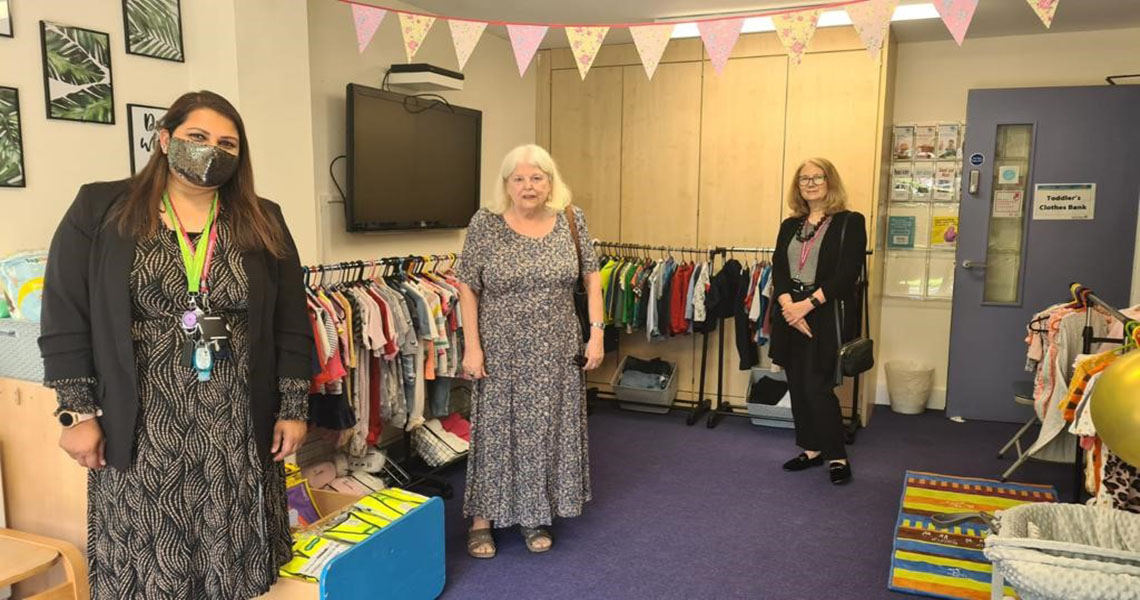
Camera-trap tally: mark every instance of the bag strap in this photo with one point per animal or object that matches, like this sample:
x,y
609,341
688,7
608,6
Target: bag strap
x,y
572,222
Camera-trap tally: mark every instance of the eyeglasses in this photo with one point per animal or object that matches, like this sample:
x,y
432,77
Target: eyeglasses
x,y
519,180
812,180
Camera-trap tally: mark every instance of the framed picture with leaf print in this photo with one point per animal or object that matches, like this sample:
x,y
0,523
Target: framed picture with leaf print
x,y
154,28
77,74
5,18
11,142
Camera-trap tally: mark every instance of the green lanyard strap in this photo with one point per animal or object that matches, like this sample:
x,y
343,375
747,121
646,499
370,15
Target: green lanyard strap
x,y
195,264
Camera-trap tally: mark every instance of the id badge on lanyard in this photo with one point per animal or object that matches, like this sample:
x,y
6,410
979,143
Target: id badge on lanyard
x,y
198,351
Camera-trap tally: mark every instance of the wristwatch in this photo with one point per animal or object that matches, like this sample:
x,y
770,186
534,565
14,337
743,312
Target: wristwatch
x,y
815,301
69,419
598,325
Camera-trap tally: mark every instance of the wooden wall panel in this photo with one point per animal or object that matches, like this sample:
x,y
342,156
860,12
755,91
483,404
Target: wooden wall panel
x,y
833,111
660,154
543,105
742,152
586,142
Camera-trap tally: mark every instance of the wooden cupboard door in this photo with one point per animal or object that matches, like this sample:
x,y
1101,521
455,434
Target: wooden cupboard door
x,y
833,101
742,152
586,142
660,162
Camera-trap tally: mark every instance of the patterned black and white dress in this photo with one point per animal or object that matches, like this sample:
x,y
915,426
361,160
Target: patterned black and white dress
x,y
198,514
529,460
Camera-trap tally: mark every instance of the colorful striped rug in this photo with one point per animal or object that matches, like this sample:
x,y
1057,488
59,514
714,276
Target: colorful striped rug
x,y
947,562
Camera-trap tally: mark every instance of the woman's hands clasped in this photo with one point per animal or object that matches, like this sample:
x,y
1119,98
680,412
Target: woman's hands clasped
x,y
795,313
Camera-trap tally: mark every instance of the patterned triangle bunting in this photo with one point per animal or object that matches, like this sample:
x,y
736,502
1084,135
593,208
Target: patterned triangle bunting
x,y
651,41
957,14
584,43
415,29
1045,9
366,19
525,40
796,30
719,37
871,20
465,34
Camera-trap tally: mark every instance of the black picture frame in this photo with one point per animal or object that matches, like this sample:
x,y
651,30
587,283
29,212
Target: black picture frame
x,y
23,180
7,16
130,32
136,140
76,106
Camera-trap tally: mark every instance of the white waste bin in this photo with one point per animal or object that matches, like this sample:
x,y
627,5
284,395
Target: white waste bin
x,y
908,384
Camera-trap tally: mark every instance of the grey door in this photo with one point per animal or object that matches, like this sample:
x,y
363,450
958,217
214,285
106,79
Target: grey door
x,y
1009,263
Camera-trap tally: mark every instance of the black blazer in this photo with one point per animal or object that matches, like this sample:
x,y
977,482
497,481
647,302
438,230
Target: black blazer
x,y
837,274
86,319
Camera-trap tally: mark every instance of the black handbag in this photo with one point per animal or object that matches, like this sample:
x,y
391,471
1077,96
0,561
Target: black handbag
x,y
858,355
581,300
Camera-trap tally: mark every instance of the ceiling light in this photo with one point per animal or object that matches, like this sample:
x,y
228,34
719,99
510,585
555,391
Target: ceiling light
x,y
831,18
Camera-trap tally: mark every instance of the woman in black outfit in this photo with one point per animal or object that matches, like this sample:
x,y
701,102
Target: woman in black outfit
x,y
815,284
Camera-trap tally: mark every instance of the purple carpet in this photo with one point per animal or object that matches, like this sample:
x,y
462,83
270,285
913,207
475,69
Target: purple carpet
x,y
691,512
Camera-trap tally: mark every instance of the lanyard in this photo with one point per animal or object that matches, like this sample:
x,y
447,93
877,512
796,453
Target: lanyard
x,y
197,264
805,248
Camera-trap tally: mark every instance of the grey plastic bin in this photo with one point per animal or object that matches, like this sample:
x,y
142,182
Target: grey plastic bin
x,y
768,415
650,401
19,351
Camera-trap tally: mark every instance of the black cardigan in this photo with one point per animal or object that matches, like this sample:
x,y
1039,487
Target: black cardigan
x,y
86,319
836,274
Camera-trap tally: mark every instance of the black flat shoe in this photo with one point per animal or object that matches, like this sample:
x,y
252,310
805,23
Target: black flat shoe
x,y
802,462
840,473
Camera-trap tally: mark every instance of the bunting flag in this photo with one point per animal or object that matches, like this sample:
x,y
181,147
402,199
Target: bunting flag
x,y
956,14
465,34
415,29
584,43
525,40
1045,9
795,31
871,19
719,38
651,41
366,19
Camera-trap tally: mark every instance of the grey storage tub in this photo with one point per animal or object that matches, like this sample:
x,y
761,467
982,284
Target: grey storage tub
x,y
642,400
768,415
19,352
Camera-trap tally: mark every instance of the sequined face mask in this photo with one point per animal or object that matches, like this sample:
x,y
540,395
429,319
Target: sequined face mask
x,y
201,164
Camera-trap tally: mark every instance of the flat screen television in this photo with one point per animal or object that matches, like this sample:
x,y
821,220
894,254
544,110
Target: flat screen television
x,y
413,162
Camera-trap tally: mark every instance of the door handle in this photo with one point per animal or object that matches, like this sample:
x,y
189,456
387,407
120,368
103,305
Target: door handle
x,y
973,264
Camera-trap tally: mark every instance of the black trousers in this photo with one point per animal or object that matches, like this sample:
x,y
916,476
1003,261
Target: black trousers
x,y
815,407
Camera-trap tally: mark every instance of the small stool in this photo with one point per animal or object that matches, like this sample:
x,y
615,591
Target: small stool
x,y
24,555
1022,394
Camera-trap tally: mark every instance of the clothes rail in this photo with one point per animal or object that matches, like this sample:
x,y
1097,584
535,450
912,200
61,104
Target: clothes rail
x,y
406,473
1084,297
702,404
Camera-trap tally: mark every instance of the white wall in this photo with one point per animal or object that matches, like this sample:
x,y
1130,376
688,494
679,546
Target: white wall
x,y
931,85
253,51
493,86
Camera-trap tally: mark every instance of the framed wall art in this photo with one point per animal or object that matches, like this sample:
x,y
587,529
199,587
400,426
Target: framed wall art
x,y
77,74
154,28
11,141
142,129
5,18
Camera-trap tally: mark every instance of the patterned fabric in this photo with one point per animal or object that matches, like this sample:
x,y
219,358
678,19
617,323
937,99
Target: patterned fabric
x,y
528,461
948,562
1121,484
75,395
198,514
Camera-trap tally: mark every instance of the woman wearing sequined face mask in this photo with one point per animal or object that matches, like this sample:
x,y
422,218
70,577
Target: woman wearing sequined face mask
x,y
175,337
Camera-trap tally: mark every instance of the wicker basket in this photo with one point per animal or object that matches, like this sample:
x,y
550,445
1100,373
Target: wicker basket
x,y
19,352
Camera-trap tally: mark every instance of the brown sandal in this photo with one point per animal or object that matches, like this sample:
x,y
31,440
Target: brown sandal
x,y
533,535
477,538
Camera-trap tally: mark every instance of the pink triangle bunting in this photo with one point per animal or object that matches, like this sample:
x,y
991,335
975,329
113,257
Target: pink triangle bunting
x,y
584,43
650,41
872,19
719,37
525,40
415,29
957,14
1045,9
366,19
465,34
796,30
